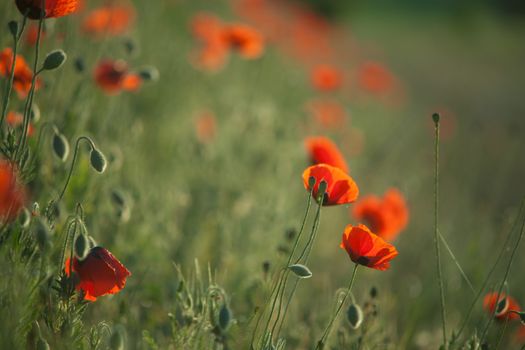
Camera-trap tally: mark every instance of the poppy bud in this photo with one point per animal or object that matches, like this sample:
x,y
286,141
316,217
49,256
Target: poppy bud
x,y
300,271
98,161
54,59
354,315
42,344
42,234
311,182
79,64
81,246
322,187
24,218
117,197
149,73
13,28
60,146
435,118
225,317
35,113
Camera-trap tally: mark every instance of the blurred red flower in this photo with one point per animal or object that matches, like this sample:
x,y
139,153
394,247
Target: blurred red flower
x,y
15,119
54,8
386,216
22,74
322,150
326,77
12,192
114,76
328,113
244,39
213,52
100,273
341,188
109,20
367,249
375,78
205,127
505,305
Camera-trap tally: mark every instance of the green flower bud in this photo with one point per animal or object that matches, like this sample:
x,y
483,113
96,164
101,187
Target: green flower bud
x,y
54,60
98,161
60,146
300,271
81,246
354,315
225,317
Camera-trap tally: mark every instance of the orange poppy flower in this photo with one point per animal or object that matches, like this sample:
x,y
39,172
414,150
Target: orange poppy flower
x,y
15,119
12,193
327,113
508,304
341,188
54,8
244,39
366,248
100,273
386,216
323,150
205,127
113,76
375,78
326,78
112,20
22,75
213,53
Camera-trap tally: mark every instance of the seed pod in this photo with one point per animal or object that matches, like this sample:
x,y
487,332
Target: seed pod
x,y
225,317
354,315
54,60
81,246
300,271
13,28
60,146
98,161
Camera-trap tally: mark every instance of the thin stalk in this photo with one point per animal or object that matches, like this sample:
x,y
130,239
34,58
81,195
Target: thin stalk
x,y
73,162
9,82
489,275
455,260
326,334
436,232
502,333
502,284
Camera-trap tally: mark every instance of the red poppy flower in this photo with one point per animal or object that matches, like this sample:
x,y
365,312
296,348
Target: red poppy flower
x,y
113,76
12,193
386,216
54,8
375,78
323,150
366,248
213,52
244,39
100,273
23,75
112,20
15,119
505,305
205,127
326,78
341,188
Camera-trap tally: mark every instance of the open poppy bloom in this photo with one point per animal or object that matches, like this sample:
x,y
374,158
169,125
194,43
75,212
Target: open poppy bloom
x,y
100,273
114,76
54,8
504,305
244,39
12,193
326,78
323,150
213,53
112,20
386,216
340,189
366,248
23,75
15,119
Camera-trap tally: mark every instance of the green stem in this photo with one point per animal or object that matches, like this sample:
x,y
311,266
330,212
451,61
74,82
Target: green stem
x,y
436,233
326,334
455,260
73,162
9,83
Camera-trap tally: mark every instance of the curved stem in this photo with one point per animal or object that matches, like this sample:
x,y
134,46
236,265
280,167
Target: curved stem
x,y
326,334
73,162
436,235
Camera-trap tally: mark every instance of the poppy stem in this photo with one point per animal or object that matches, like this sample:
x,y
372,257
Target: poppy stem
x,y
487,279
503,281
455,260
9,82
435,117
326,334
73,162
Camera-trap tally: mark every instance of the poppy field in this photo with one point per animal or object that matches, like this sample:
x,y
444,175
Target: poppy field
x,y
261,174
